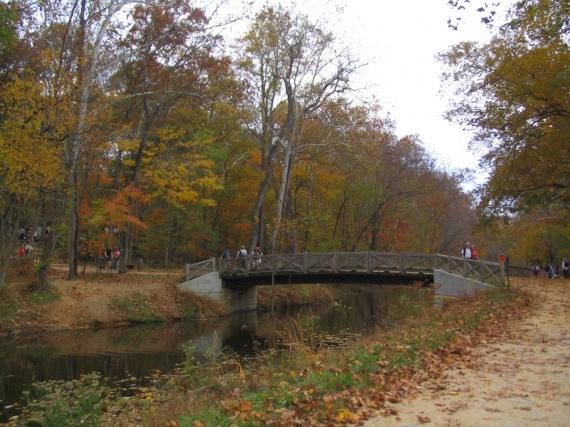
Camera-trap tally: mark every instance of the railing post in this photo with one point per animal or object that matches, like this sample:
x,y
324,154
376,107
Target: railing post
x,y
502,273
368,262
274,265
403,264
187,271
335,262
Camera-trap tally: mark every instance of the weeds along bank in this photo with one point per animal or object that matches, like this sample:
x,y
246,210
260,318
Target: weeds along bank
x,y
293,383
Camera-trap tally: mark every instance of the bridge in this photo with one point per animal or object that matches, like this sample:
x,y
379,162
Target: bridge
x,y
235,280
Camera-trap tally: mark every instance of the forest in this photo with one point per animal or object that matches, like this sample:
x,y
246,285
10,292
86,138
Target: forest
x,y
147,127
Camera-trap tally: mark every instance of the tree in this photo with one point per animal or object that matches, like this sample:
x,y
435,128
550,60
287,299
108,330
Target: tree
x,y
169,80
31,170
513,94
8,19
293,66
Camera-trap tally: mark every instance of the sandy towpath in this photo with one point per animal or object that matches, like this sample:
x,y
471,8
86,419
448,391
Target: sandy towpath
x,y
519,379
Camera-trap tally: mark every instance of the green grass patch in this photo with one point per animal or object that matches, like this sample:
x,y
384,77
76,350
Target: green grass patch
x,y
9,304
44,297
208,417
67,403
136,309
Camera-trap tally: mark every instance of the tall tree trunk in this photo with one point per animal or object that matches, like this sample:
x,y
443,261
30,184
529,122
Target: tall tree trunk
x,y
9,234
256,216
291,229
50,243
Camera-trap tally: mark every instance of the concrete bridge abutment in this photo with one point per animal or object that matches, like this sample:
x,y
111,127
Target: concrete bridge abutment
x,y
452,285
211,286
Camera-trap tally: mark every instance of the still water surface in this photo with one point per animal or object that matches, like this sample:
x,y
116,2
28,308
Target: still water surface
x,y
121,353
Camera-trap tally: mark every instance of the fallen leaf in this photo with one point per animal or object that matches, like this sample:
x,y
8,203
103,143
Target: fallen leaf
x,y
423,419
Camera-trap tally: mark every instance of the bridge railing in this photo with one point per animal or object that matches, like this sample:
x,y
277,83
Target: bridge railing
x,y
328,262
483,271
356,262
201,268
519,271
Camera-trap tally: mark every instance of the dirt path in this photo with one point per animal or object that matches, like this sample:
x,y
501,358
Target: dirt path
x,y
519,379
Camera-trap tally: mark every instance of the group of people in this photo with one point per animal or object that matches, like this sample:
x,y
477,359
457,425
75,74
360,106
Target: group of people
x,y
241,254
113,256
469,251
25,250
551,270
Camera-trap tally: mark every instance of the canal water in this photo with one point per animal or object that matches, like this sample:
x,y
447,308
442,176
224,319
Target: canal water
x,y
138,351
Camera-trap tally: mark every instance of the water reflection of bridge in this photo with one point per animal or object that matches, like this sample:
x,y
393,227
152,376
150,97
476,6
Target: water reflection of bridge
x,y
235,279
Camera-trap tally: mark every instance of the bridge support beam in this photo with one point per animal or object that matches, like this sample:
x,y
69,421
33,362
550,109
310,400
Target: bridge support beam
x,y
452,285
210,285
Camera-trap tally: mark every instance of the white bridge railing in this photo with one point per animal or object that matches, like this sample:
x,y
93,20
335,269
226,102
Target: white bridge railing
x,y
355,262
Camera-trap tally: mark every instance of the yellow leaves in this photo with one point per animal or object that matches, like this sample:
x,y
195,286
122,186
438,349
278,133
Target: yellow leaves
x,y
29,146
176,170
347,416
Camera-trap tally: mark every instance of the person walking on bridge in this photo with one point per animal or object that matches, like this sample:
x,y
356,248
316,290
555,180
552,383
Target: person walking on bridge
x,y
241,254
474,252
226,254
466,251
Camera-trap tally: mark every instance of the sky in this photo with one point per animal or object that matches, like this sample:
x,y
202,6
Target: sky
x,y
398,40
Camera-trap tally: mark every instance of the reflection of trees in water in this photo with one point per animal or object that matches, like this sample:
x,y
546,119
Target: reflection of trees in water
x,y
138,351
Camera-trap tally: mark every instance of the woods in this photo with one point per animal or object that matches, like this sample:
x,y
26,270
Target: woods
x,y
141,126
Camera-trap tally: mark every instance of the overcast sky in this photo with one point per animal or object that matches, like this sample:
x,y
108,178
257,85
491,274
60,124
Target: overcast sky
x,y
399,40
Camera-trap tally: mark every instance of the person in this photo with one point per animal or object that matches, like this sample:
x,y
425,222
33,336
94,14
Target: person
x,y
22,251
536,270
466,251
116,256
565,269
552,272
257,254
474,252
226,254
28,249
242,253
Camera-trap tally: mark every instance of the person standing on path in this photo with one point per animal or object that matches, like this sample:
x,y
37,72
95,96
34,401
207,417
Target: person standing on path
x,y
565,271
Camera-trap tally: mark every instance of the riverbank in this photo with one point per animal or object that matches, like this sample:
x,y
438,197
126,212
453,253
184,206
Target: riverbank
x,y
427,370
105,300
99,300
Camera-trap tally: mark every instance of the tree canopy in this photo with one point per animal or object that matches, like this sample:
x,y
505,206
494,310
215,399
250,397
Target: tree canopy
x,y
149,135
514,94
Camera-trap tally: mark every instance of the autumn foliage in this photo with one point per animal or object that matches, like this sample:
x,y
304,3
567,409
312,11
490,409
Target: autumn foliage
x,y
151,135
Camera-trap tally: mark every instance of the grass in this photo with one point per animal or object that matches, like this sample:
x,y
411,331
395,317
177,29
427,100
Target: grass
x,y
9,304
74,403
44,297
137,309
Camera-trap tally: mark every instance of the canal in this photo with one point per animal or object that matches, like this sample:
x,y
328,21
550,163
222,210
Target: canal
x,y
139,351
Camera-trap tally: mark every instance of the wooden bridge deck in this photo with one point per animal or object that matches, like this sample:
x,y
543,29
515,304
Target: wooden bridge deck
x,y
361,267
